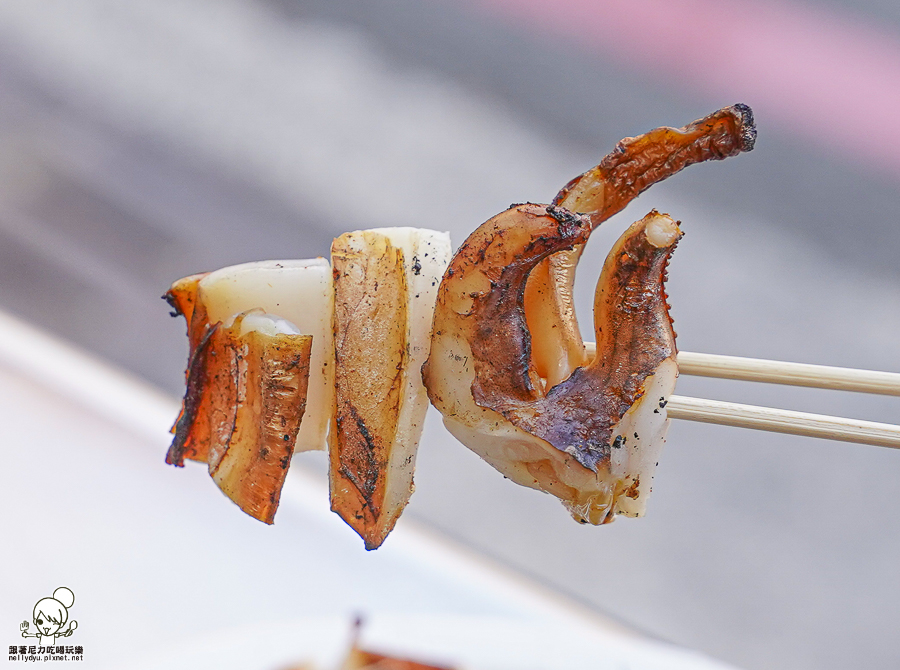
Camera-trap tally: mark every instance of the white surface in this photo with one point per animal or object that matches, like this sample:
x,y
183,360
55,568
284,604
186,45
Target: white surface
x,y
167,573
464,642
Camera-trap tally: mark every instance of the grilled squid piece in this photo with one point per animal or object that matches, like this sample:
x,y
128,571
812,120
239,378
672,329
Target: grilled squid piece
x,y
385,283
256,332
508,368
593,439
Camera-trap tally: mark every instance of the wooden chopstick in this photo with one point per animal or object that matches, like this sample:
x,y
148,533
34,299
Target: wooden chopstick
x,y
782,420
782,372
792,374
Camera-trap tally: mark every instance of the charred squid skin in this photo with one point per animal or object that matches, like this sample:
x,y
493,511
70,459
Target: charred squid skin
x,y
257,427
634,336
385,287
485,285
371,313
182,298
632,323
186,443
637,163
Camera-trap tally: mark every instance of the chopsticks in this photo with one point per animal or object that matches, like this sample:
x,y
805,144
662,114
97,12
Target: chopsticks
x,y
781,420
792,374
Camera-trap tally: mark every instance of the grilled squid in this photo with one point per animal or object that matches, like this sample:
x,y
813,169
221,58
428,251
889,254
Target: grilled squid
x,y
385,283
288,356
508,368
256,333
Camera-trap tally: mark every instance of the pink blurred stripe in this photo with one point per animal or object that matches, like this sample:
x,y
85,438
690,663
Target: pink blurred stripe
x,y
834,79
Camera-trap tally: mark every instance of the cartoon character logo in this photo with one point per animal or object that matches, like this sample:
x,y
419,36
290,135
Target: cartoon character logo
x,y
50,617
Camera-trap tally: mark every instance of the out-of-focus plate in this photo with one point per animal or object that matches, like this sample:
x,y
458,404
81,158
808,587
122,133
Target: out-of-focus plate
x,y
465,642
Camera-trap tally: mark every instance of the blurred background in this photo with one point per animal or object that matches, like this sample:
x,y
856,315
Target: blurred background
x,y
144,141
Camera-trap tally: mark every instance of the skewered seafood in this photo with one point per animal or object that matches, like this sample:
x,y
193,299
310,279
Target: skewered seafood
x,y
385,284
248,381
364,358
592,439
508,368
